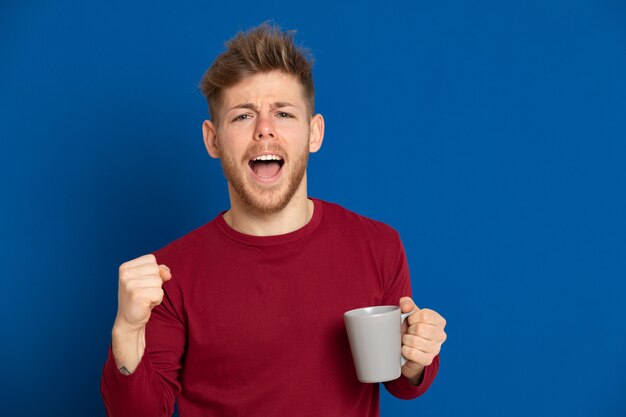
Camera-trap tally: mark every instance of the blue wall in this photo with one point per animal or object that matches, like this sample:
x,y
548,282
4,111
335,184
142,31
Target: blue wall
x,y
490,134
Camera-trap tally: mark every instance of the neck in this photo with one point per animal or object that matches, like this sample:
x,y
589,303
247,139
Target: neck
x,y
294,216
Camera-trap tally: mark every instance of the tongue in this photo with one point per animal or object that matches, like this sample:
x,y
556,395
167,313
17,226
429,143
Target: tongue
x,y
266,169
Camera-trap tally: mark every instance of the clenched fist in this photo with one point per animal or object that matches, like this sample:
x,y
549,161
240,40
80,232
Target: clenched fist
x,y
140,290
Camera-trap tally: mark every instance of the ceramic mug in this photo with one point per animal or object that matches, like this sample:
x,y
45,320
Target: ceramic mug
x,y
375,340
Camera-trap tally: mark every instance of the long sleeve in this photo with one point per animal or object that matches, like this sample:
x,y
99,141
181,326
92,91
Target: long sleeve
x,y
151,390
232,296
398,286
403,389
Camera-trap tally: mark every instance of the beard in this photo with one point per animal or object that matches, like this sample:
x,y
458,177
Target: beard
x,y
266,199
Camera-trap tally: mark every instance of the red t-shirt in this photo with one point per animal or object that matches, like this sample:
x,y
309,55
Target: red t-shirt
x,y
253,326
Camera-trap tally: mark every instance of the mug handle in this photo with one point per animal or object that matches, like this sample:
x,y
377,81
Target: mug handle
x,y
402,318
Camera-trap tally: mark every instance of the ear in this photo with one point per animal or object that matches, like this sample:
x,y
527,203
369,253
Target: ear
x,y
210,138
316,135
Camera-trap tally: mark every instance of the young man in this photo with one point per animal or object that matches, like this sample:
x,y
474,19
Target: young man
x,y
244,315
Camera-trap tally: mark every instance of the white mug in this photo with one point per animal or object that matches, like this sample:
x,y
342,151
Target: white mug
x,y
375,340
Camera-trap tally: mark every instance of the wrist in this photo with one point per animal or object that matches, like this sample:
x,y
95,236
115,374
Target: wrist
x,y
128,346
414,374
122,328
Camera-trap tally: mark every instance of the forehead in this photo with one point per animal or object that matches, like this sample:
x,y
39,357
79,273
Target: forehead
x,y
265,87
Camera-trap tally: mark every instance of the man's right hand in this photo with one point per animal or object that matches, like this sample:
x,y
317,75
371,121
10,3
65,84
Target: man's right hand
x,y
140,290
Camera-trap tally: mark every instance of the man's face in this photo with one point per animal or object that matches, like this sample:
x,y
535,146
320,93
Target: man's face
x,y
263,139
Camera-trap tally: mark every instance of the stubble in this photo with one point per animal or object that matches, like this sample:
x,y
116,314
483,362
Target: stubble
x,y
265,199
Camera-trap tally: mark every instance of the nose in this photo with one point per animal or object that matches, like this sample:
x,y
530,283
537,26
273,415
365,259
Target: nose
x,y
264,128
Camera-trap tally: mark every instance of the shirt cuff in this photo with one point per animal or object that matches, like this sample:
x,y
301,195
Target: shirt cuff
x,y
403,389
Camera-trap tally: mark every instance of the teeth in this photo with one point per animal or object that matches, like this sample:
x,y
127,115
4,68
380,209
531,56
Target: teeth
x,y
268,158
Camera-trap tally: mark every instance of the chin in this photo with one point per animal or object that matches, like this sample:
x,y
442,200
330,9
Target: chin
x,y
266,201
265,198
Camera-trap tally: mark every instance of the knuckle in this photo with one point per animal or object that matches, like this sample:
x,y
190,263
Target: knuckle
x,y
130,286
152,270
411,356
123,267
407,352
127,273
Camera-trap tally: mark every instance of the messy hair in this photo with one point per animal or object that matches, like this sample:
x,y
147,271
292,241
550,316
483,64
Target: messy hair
x,y
261,49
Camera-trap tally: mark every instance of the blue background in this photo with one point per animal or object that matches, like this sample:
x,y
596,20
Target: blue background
x,y
490,134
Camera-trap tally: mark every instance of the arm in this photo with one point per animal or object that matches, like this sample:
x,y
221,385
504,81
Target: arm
x,y
149,357
416,378
404,389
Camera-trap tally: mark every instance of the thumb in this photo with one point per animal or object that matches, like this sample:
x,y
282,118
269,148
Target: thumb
x,y
165,273
407,304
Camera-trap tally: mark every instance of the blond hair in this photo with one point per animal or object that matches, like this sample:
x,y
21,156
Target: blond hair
x,y
261,49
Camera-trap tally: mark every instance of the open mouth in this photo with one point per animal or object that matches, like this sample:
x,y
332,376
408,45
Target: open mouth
x,y
266,166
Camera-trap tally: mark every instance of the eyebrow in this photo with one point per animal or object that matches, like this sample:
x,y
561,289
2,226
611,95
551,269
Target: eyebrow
x,y
276,105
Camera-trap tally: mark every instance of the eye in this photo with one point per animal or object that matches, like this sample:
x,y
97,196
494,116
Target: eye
x,y
283,114
242,117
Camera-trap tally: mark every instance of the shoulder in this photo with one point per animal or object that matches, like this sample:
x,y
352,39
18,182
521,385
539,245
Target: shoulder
x,y
188,245
352,223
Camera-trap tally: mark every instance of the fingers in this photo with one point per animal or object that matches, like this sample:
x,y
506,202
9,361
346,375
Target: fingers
x,y
418,342
428,332
148,296
422,333
427,316
148,259
423,330
420,350
142,270
148,267
165,273
407,305
144,282
154,295
417,356
141,283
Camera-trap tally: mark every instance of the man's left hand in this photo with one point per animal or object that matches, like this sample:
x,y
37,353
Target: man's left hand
x,y
422,336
